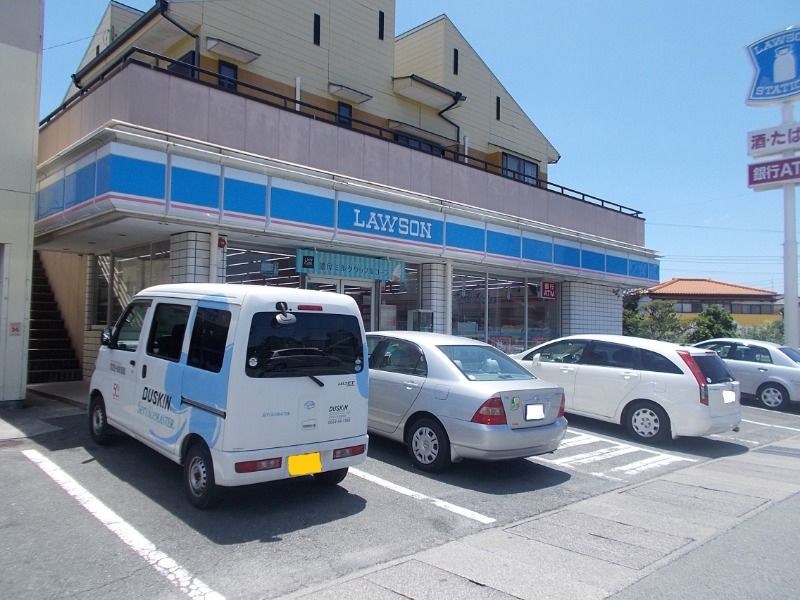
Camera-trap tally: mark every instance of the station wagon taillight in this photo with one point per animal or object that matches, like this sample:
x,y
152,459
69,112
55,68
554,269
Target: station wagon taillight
x,y
251,466
698,374
491,412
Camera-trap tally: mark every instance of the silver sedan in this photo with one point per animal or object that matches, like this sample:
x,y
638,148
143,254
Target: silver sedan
x,y
449,398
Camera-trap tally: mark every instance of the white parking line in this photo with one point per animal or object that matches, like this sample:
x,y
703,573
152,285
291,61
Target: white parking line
x,y
653,462
175,574
770,425
464,512
578,440
595,456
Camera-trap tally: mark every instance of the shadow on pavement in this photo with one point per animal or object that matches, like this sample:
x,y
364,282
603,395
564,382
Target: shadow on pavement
x,y
261,512
489,477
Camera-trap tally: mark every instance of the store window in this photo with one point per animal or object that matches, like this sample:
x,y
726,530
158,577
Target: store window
x,y
260,265
506,299
398,298
469,305
419,144
520,169
544,315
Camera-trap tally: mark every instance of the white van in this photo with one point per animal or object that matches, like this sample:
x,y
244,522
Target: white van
x,y
238,383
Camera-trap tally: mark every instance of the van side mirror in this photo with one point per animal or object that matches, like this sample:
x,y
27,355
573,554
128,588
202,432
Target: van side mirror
x,y
105,337
284,317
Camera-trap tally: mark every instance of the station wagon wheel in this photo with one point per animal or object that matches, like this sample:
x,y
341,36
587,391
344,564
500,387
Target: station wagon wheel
x,y
198,477
334,477
647,422
772,396
429,445
99,428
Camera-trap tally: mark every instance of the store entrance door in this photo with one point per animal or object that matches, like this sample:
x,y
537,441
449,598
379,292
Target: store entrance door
x,y
361,290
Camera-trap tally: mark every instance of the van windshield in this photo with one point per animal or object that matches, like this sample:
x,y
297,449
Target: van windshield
x,y
315,344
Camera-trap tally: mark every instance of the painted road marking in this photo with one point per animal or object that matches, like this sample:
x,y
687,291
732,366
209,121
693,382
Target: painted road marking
x,y
595,456
653,462
464,512
578,440
770,425
175,574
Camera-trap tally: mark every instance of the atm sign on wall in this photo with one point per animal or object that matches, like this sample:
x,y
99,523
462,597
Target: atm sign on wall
x,y
549,290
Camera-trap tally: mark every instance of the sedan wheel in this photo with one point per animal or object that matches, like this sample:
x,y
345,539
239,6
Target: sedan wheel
x,y
428,445
648,422
773,396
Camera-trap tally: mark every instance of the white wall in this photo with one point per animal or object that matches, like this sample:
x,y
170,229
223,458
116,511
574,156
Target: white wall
x,y
590,308
20,71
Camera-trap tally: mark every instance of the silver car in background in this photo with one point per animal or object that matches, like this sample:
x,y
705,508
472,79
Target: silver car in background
x,y
766,371
449,398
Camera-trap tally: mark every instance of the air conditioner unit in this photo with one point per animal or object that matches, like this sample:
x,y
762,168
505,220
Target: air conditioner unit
x,y
420,320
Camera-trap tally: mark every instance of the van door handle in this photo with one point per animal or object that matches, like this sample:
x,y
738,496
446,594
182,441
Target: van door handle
x,y
144,371
762,370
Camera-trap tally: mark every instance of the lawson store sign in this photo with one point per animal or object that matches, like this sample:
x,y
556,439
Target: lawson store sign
x,y
121,177
776,59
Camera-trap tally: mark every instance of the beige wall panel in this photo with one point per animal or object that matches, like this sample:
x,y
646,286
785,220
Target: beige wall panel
x,y
188,108
67,276
442,179
262,129
376,160
152,110
293,137
422,171
323,146
400,174
350,153
226,119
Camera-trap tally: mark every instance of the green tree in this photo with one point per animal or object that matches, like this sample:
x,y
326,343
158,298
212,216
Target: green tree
x,y
713,322
661,322
771,332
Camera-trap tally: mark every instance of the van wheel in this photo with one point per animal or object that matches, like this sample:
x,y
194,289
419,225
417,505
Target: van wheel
x,y
772,396
198,477
429,445
331,477
99,428
647,422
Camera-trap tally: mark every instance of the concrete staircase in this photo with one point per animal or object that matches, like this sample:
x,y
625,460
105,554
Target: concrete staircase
x,y
50,354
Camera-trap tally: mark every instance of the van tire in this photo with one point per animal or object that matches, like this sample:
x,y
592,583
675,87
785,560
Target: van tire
x,y
647,422
429,445
99,429
198,477
334,477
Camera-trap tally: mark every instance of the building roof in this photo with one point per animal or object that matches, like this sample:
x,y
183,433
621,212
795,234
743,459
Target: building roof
x,y
707,288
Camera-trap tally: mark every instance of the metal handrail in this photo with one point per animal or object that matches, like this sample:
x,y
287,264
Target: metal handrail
x,y
315,112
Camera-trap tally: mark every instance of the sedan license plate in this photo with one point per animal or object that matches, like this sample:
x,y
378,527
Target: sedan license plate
x,y
534,412
305,464
728,396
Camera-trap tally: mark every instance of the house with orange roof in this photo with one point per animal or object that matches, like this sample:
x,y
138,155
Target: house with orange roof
x,y
749,307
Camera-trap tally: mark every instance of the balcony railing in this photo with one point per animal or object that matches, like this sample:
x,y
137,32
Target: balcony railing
x,y
152,60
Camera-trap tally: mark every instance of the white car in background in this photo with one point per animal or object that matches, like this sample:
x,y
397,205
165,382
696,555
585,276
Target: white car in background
x,y
657,390
766,371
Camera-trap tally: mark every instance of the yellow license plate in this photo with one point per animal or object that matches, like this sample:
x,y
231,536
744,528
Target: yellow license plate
x,y
305,464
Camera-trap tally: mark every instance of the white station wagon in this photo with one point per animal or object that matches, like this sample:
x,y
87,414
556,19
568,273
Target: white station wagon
x,y
655,389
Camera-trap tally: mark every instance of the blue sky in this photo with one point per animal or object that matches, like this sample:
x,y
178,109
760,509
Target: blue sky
x,y
643,99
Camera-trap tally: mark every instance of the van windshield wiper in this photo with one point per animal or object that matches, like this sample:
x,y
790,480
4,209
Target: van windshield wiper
x,y
316,380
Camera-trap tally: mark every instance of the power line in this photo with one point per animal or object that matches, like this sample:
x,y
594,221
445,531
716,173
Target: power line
x,y
716,227
88,37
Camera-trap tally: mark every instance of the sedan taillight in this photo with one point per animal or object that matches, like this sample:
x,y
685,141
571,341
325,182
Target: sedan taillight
x,y
561,409
491,412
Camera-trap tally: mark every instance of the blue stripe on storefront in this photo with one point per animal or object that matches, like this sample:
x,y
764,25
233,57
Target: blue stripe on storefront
x,y
194,187
637,268
50,200
566,255
464,237
537,250
79,186
616,265
653,271
245,197
135,177
502,244
301,207
594,261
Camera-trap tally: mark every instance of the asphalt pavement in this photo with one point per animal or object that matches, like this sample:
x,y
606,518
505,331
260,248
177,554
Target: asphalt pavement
x,y
722,528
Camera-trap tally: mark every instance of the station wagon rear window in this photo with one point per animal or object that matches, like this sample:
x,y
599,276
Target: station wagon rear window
x,y
315,344
713,368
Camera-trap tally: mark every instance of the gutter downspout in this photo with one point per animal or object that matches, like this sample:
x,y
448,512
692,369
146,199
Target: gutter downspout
x,y
163,7
457,97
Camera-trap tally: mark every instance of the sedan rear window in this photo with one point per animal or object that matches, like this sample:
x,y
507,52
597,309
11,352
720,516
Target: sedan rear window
x,y
791,353
484,363
713,368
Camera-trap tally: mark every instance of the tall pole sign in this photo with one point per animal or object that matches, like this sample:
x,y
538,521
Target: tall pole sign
x,y
776,59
